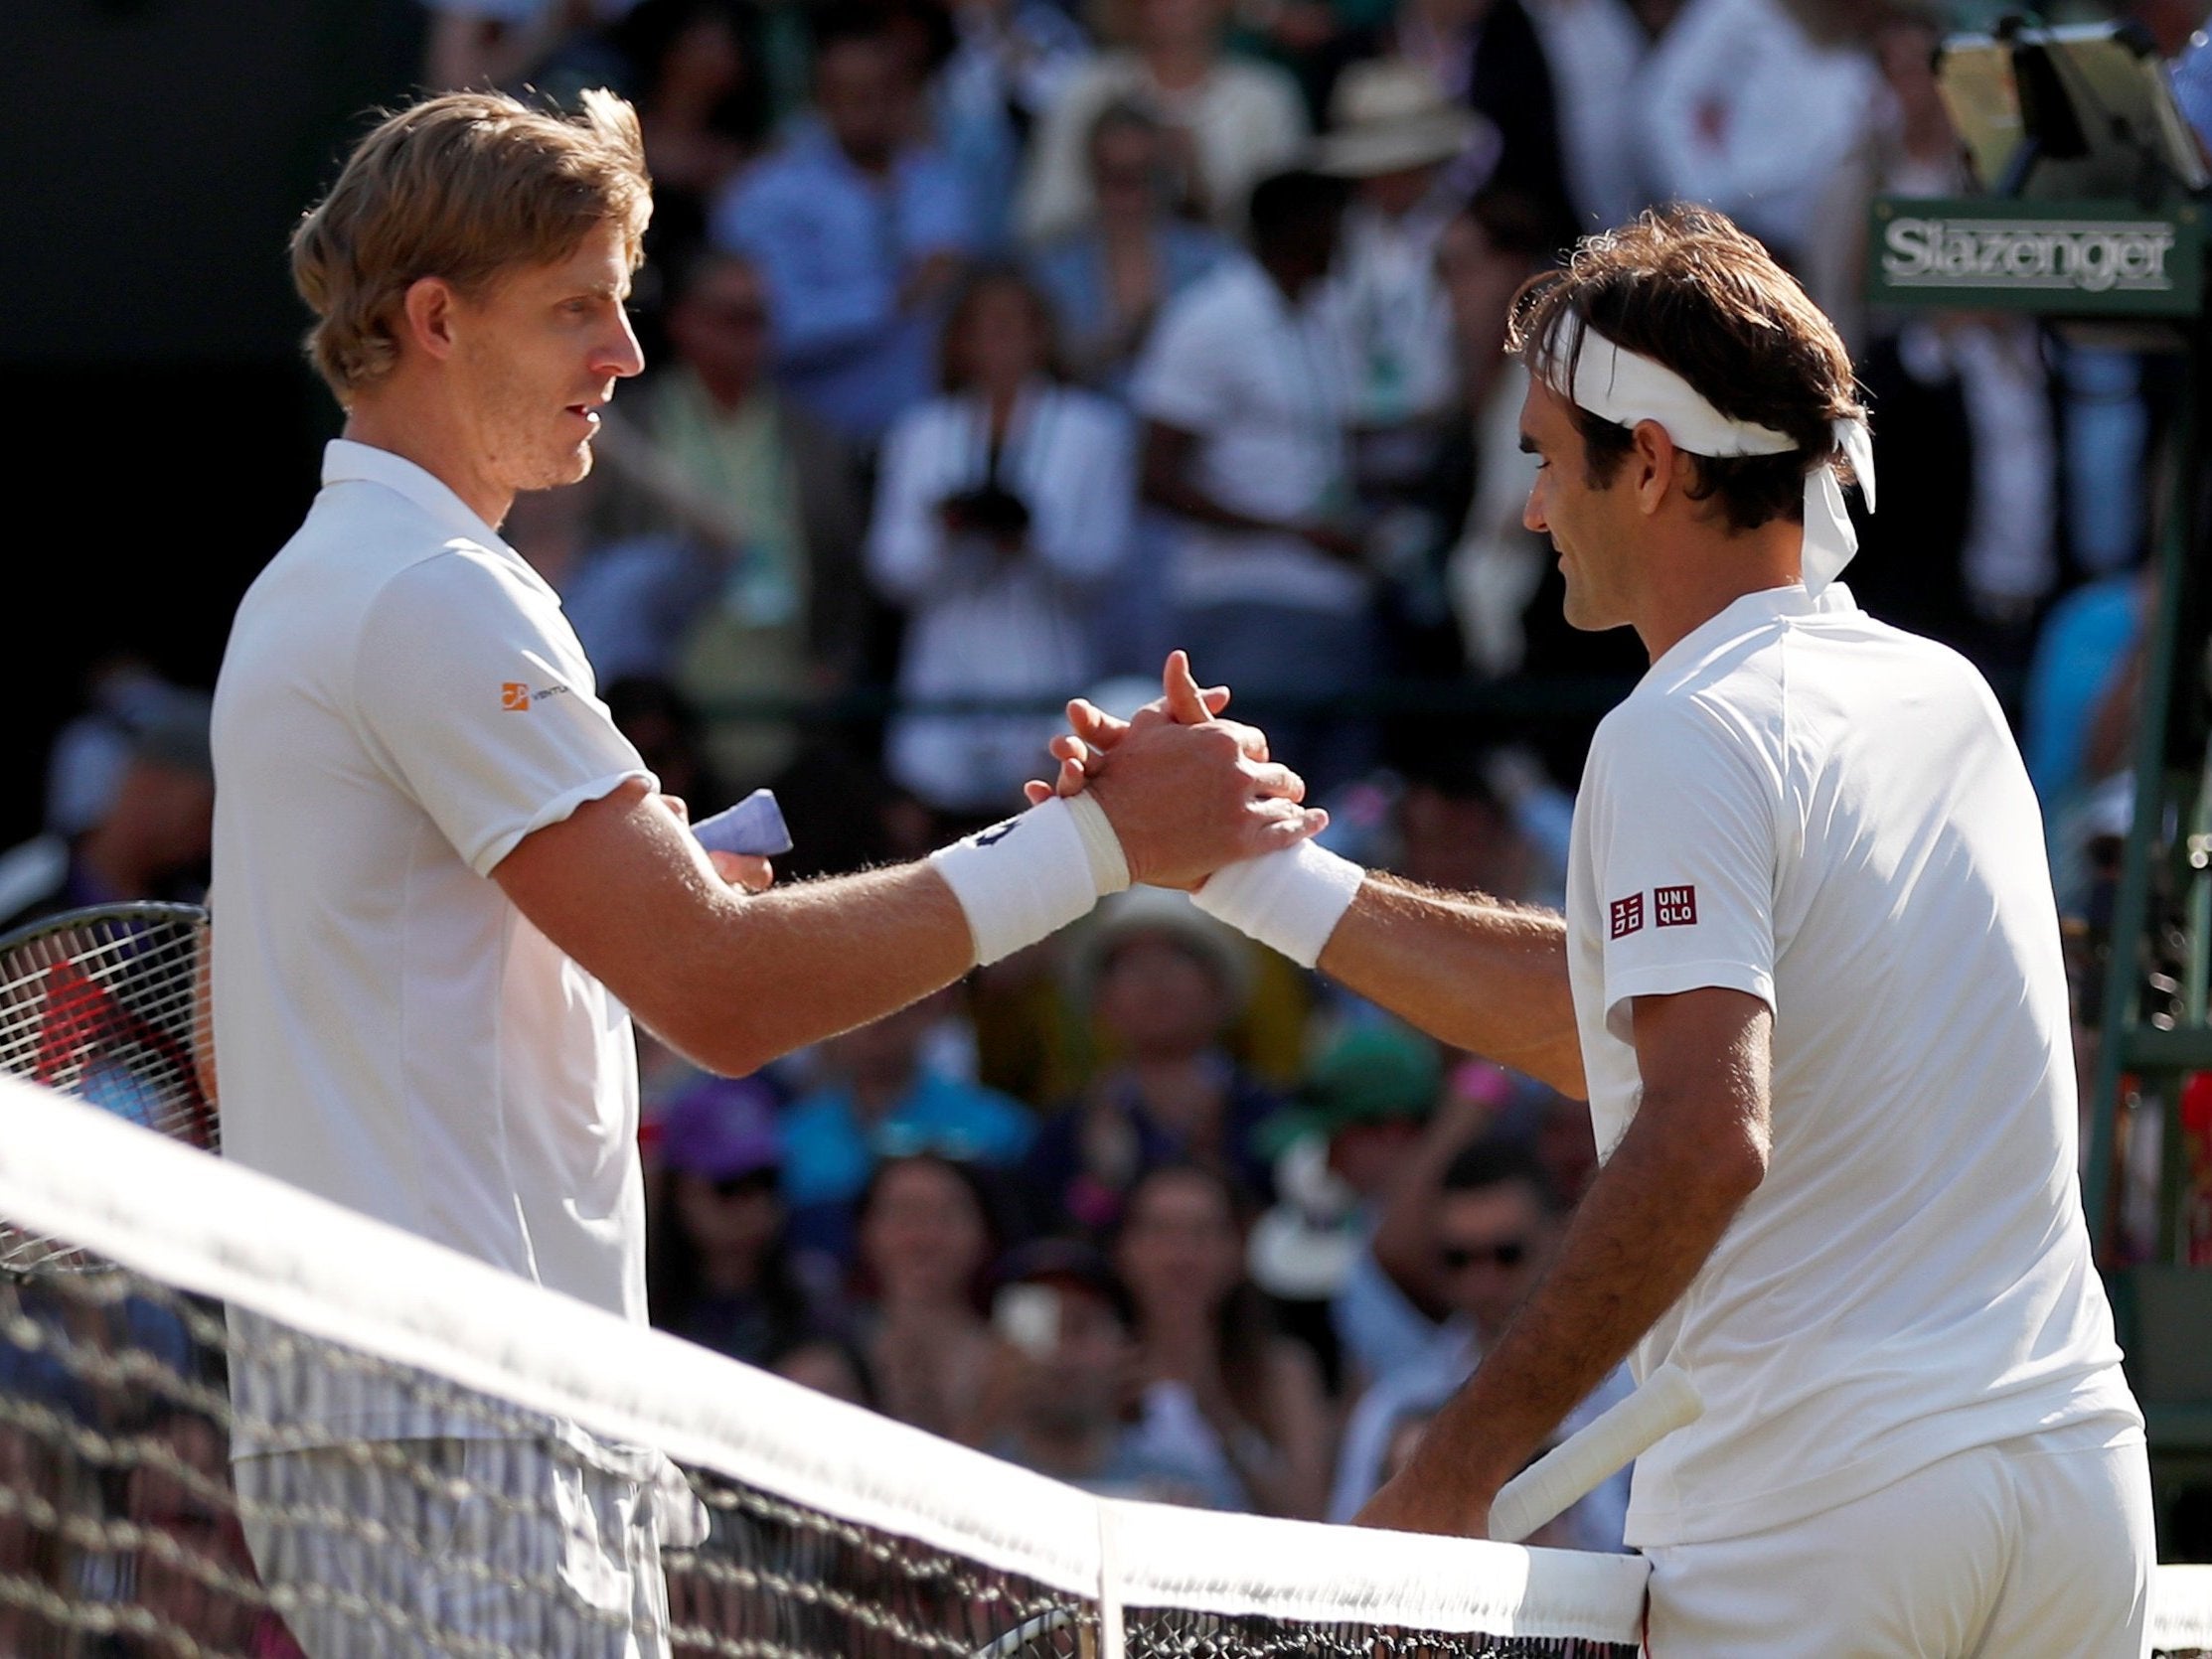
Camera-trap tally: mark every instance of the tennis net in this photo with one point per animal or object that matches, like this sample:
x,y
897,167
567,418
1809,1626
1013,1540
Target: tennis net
x,y
217,1313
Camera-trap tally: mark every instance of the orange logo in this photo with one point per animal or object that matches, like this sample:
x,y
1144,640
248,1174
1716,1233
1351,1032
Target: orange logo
x,y
514,696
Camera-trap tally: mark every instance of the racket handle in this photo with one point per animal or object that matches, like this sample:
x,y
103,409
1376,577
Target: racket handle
x,y
1577,1465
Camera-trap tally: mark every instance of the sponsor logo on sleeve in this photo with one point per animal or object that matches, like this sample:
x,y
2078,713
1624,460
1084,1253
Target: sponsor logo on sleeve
x,y
516,697
1674,907
1628,915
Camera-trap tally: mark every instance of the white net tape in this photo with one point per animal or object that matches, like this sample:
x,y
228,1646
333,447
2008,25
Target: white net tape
x,y
828,1531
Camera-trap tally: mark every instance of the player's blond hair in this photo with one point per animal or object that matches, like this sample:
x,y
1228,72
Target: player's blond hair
x,y
461,186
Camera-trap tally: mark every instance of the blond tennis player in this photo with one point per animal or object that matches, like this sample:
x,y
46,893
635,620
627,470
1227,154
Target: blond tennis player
x,y
1808,979
444,882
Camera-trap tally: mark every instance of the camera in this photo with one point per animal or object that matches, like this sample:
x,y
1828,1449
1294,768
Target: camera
x,y
988,511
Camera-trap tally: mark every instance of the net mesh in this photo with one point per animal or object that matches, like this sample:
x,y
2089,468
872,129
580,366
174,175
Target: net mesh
x,y
232,1311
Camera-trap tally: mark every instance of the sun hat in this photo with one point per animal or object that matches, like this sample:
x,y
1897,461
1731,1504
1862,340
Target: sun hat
x,y
1373,1074
1123,916
1388,114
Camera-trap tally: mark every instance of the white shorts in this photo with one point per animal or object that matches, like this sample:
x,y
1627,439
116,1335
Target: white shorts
x,y
486,1545
2015,1550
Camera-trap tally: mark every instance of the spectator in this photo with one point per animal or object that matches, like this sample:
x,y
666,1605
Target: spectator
x,y
1109,276
927,1238
1341,1149
1229,123
145,827
1068,1350
1471,820
1161,982
860,232
1504,580
1002,504
729,542
1592,48
1245,440
879,1097
1222,1389
1012,61
1723,79
719,1267
702,102
1488,55
1396,135
1487,1229
1412,155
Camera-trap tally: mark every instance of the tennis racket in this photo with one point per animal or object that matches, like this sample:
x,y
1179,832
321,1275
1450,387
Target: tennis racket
x,y
1571,1470
108,1003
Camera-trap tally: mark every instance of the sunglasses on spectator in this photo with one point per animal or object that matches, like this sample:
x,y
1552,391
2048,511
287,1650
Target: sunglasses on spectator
x,y
1498,1253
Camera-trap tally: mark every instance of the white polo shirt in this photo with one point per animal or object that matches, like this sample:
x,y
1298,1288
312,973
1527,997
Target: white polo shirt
x,y
1260,383
401,702
1812,807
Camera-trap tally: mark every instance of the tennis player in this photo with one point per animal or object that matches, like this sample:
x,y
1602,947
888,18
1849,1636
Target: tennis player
x,y
444,882
1810,980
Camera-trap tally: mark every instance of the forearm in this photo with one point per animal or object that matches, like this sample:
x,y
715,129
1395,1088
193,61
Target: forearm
x,y
1637,1239
795,965
1477,973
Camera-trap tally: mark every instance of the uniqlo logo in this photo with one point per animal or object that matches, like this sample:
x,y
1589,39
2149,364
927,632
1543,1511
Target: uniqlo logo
x,y
1674,907
1628,915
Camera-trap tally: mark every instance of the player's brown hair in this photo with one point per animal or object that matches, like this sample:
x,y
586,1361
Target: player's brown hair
x,y
1685,287
462,187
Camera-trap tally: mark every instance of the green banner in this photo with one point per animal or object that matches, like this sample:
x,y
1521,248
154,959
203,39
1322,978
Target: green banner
x,y
2056,258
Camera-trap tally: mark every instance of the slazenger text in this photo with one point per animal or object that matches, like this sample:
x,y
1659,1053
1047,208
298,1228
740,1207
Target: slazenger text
x,y
2094,257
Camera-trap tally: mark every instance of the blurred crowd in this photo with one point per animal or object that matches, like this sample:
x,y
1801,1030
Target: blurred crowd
x,y
998,346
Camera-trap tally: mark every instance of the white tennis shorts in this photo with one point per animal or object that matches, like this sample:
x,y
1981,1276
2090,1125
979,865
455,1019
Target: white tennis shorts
x,y
517,1545
2031,1549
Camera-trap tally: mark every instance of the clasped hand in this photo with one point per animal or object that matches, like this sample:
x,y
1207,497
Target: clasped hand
x,y
1185,791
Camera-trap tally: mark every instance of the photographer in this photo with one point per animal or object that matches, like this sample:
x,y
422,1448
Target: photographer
x,y
1004,502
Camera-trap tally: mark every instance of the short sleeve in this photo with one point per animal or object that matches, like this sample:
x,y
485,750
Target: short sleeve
x,y
474,692
1180,379
1682,854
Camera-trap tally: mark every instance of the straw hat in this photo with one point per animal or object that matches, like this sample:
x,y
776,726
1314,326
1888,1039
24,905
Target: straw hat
x,y
1388,114
1158,909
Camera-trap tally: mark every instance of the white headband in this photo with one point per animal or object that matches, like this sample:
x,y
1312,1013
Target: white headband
x,y
1624,387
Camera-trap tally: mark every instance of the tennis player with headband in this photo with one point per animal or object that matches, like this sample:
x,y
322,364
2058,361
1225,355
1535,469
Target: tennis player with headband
x,y
1809,980
444,882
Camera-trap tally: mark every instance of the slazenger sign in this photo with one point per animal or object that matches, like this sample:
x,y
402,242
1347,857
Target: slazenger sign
x,y
2071,258
2030,253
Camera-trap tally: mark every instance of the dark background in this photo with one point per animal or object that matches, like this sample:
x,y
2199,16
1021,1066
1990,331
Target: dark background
x,y
163,430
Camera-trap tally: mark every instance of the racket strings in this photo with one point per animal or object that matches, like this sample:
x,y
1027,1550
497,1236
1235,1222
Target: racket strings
x,y
106,1004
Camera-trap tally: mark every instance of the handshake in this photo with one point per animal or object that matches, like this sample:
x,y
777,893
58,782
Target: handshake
x,y
1176,796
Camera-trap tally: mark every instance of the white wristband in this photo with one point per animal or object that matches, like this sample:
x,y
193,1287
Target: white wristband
x,y
1290,901
1026,878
